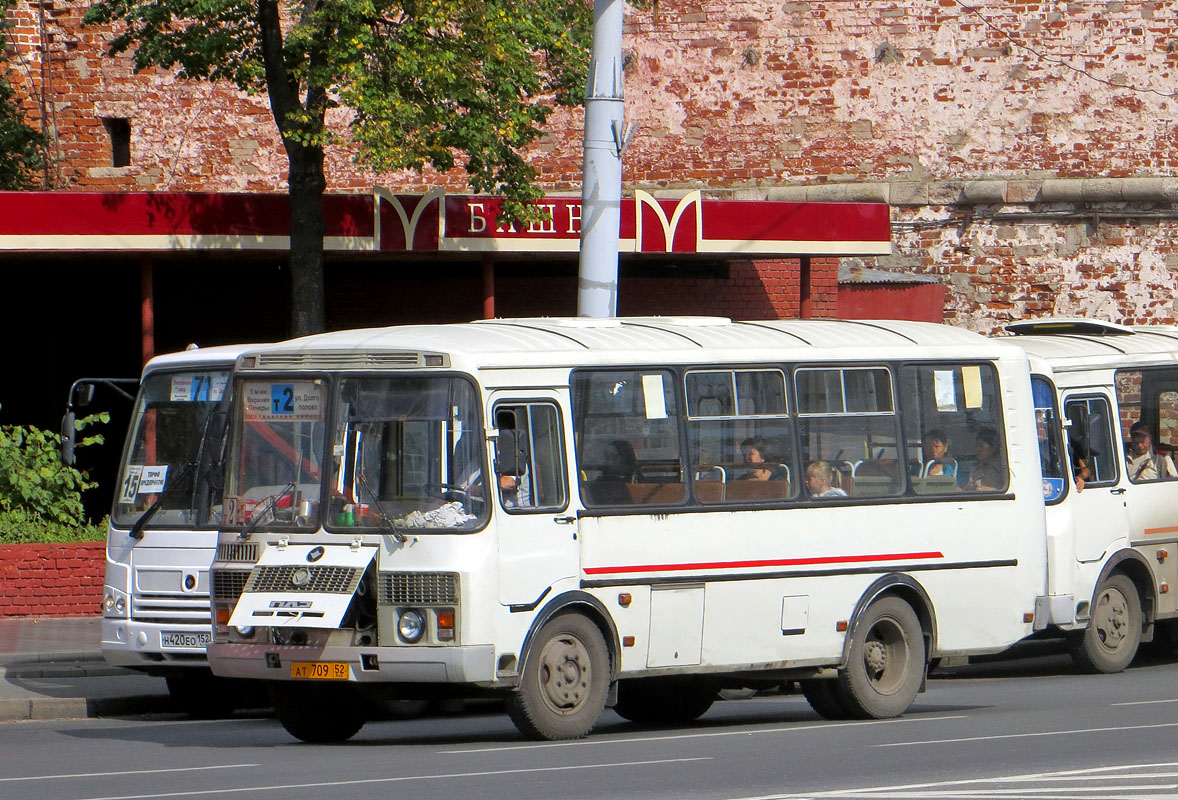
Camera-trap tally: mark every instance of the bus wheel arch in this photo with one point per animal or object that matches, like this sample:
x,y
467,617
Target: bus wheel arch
x,y
911,592
568,664
1120,616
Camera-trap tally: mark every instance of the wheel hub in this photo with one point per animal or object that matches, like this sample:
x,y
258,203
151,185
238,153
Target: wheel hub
x,y
875,657
564,673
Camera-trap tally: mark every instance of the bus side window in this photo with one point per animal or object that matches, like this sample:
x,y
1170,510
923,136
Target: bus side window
x,y
627,438
954,428
532,477
1091,438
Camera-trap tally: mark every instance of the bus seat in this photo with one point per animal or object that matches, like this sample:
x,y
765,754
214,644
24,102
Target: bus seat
x,y
935,484
753,491
873,486
709,491
655,493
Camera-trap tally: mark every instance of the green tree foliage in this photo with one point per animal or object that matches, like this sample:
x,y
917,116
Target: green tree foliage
x,y
35,486
430,82
20,145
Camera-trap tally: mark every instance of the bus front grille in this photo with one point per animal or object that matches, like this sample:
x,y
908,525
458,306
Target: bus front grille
x,y
287,578
229,583
171,609
242,552
417,588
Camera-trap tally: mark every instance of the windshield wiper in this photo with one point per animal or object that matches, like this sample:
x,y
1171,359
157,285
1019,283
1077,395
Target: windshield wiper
x,y
385,519
256,519
136,531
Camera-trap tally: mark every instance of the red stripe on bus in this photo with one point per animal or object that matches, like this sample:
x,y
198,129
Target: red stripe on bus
x,y
1156,531
781,562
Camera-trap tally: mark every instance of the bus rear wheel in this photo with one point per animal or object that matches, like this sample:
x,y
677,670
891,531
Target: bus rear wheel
x,y
317,714
564,681
886,662
1110,641
665,700
825,697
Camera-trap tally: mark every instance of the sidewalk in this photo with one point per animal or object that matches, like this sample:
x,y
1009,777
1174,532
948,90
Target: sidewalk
x,y
53,669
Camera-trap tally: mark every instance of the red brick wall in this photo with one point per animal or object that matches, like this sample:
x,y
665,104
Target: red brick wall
x,y
740,98
51,580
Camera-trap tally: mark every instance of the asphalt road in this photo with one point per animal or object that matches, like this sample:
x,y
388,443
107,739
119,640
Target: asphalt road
x,y
1028,728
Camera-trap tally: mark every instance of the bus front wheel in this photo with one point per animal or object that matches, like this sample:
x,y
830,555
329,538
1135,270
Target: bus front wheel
x,y
317,714
886,662
564,681
1110,641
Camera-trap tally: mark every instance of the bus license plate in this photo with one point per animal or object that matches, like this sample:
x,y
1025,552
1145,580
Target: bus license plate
x,y
321,670
185,639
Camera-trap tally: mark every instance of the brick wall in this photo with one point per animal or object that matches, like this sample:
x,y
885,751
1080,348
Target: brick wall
x,y
51,580
749,98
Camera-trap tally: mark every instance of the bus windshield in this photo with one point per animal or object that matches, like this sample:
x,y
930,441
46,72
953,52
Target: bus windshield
x,y
167,460
407,453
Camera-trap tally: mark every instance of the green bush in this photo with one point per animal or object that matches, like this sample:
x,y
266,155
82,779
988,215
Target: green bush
x,y
22,527
36,489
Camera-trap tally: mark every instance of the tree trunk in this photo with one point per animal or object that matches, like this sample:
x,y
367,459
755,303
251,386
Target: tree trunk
x,y
307,229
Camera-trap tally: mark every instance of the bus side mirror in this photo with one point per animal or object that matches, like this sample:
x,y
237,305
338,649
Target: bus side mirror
x,y
69,434
510,456
81,395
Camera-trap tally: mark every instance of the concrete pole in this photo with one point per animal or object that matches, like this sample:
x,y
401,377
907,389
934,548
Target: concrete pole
x,y
601,188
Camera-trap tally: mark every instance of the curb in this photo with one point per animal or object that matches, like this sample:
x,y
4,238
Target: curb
x,y
48,708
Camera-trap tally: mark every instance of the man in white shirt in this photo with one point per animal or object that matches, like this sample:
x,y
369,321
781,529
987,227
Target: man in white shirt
x,y
1144,463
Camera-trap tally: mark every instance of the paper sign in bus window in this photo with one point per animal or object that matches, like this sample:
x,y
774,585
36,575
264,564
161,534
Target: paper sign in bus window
x,y
153,479
298,400
971,382
198,388
945,389
130,485
652,394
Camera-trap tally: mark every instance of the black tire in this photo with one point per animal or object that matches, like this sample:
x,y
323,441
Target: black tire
x,y
665,700
1110,641
316,713
201,695
886,662
564,681
824,697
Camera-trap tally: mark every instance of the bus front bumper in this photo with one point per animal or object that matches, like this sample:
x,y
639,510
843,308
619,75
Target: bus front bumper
x,y
469,664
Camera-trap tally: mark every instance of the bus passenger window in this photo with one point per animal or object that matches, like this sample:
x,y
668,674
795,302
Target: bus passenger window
x,y
848,421
741,443
954,428
627,438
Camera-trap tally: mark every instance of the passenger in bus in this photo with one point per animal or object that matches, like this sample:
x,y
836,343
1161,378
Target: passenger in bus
x,y
611,488
819,475
1144,463
937,460
1081,472
988,474
755,450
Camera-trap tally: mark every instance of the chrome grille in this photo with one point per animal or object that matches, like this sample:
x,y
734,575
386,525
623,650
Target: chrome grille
x,y
238,551
417,588
229,583
334,580
342,360
171,609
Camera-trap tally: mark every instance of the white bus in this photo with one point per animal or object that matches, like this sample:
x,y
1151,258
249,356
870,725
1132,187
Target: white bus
x,y
582,513
156,601
1107,403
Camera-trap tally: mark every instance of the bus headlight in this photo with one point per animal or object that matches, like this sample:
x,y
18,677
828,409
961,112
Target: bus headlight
x,y
411,626
114,604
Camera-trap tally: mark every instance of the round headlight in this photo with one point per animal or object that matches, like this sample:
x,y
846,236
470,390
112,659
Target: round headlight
x,y
121,605
108,603
245,631
411,626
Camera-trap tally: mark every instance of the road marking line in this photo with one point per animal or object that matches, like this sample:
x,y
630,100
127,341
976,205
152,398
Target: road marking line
x,y
396,779
601,740
124,772
1031,735
905,790
1146,702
